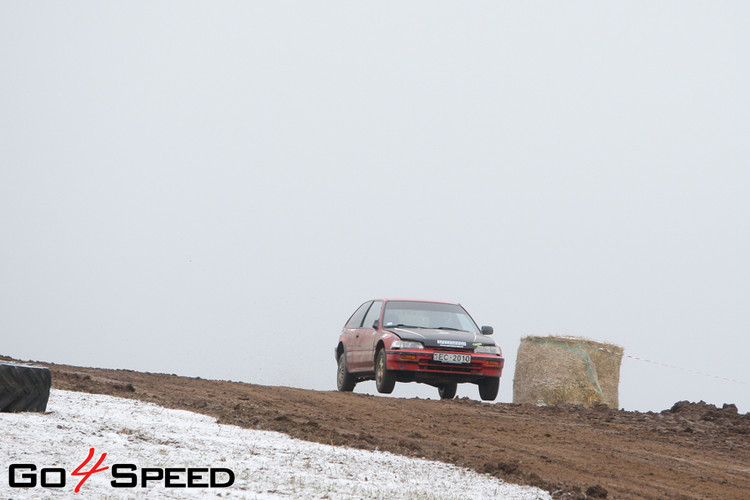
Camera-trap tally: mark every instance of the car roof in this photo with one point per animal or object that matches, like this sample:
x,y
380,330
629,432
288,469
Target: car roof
x,y
417,300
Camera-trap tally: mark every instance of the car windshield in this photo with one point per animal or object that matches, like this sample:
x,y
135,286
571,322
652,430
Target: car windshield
x,y
407,314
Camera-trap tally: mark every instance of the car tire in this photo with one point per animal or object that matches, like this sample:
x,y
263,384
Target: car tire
x,y
384,379
345,381
447,391
24,388
488,388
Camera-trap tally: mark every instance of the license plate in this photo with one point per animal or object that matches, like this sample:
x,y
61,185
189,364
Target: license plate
x,y
449,357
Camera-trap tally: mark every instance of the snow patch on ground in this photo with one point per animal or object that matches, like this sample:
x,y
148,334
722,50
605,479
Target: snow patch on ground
x,y
267,465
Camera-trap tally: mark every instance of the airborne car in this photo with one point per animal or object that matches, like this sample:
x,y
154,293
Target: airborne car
x,y
436,343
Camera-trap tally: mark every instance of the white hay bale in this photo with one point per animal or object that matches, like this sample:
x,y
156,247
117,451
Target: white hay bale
x,y
567,370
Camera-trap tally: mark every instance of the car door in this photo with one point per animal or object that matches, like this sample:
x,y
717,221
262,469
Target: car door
x,y
368,337
352,335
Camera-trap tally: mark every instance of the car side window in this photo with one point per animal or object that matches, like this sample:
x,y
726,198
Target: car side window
x,y
372,314
356,320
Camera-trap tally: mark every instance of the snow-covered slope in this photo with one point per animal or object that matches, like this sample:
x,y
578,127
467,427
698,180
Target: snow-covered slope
x,y
267,465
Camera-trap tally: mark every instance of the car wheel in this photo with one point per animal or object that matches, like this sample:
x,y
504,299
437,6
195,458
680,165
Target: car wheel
x,y
384,380
488,388
447,391
344,380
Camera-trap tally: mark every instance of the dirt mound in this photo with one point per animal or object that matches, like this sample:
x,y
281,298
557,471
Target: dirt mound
x,y
701,409
704,417
692,450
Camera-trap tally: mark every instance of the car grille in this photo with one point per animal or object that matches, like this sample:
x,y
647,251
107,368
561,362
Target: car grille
x,y
462,350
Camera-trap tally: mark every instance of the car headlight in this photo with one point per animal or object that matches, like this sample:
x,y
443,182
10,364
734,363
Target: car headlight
x,y
406,344
487,349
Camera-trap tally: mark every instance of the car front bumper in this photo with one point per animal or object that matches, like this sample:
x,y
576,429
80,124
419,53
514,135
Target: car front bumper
x,y
419,364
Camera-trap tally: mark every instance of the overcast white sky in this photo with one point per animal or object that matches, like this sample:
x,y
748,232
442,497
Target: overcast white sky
x,y
211,188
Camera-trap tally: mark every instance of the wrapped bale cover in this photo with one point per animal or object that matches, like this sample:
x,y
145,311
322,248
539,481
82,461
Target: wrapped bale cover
x,y
567,370
24,387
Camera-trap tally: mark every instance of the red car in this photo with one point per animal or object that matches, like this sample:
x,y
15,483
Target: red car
x,y
436,343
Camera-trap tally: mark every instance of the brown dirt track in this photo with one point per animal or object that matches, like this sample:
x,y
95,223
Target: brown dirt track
x,y
693,450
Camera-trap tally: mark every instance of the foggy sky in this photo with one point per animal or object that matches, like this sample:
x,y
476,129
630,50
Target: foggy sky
x,y
211,189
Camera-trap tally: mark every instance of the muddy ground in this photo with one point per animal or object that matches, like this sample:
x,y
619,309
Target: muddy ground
x,y
692,450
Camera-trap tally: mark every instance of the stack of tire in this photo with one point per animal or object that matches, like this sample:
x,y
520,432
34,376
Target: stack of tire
x,y
24,387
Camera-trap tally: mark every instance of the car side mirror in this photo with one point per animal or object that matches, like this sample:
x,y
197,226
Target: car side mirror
x,y
487,330
376,324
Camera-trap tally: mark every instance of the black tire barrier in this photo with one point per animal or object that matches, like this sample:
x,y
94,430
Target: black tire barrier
x,y
24,387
